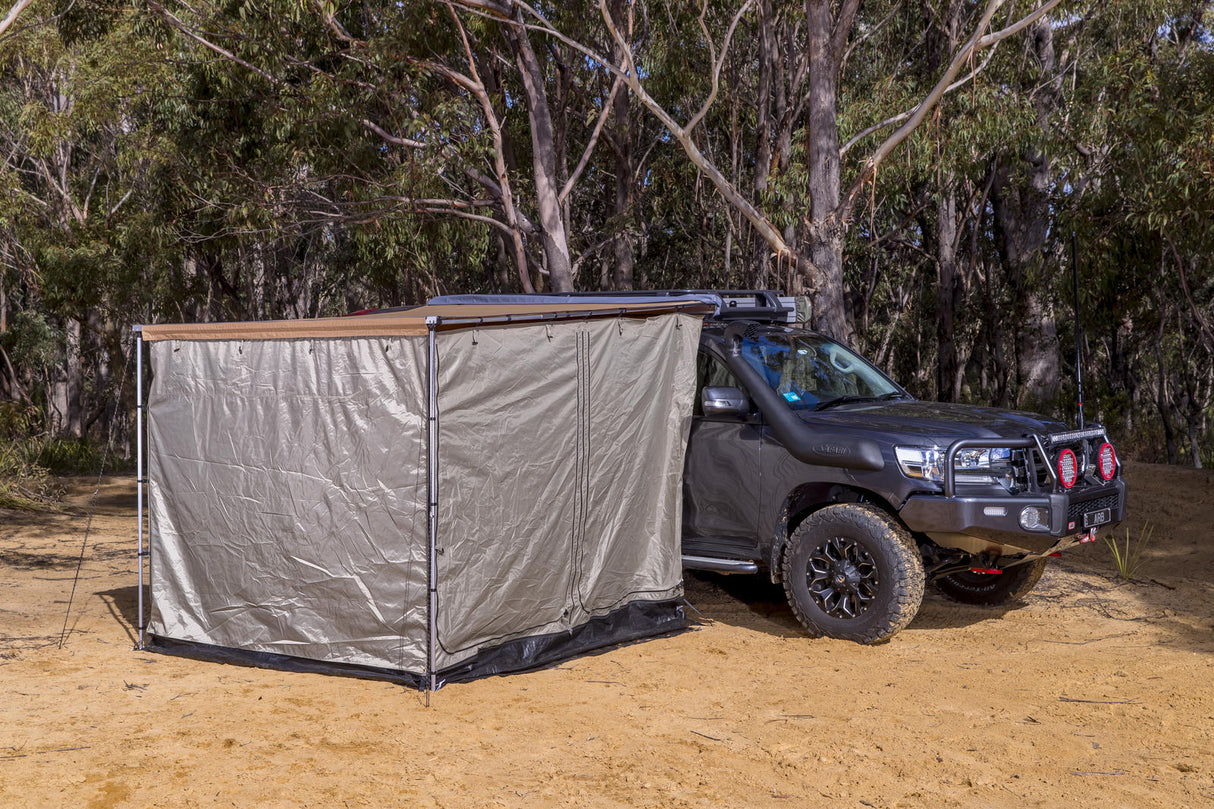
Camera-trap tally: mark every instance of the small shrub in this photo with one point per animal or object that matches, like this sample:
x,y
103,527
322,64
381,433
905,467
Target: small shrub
x,y
69,457
1127,555
24,484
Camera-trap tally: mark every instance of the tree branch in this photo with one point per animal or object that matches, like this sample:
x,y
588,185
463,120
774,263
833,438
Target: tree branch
x,y
337,28
976,42
867,34
843,25
594,139
1207,334
185,30
718,61
477,87
629,74
390,138
904,115
11,17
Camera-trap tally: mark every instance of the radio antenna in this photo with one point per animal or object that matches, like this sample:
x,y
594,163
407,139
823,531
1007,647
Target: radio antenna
x,y
1078,329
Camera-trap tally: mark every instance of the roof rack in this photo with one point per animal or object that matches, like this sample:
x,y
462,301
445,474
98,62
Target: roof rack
x,y
764,305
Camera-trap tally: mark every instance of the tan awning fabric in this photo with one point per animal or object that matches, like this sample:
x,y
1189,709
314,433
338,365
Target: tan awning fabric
x,y
409,323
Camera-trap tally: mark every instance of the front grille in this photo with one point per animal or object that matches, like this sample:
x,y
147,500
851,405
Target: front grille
x,y
1076,510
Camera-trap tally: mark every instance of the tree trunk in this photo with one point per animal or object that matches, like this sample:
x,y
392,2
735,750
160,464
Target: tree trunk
x,y
1022,214
769,53
823,241
544,163
948,292
624,243
1022,218
75,380
1194,445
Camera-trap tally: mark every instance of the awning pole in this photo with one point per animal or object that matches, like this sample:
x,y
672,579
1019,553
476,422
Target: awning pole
x,y
139,555
432,476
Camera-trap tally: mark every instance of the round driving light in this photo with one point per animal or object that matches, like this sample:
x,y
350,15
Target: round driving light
x,y
1033,518
1108,461
1068,468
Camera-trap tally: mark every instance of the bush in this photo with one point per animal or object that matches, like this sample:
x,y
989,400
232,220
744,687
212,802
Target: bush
x,y
25,484
70,457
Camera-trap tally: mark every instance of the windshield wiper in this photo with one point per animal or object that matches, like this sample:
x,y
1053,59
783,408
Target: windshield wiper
x,y
842,400
852,399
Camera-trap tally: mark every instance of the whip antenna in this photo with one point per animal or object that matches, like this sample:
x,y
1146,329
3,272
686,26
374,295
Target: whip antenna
x,y
1078,330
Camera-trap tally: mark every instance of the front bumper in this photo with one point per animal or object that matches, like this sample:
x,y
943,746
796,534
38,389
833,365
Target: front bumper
x,y
998,518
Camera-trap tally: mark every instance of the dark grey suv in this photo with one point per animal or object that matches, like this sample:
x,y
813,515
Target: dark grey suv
x,y
806,461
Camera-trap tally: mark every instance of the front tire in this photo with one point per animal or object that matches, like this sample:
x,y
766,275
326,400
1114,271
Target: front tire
x,y
851,572
991,590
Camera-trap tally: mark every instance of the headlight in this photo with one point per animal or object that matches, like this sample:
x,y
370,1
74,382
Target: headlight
x,y
981,458
972,464
925,463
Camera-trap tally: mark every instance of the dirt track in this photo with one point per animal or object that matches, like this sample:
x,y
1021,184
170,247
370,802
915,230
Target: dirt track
x,y
1095,692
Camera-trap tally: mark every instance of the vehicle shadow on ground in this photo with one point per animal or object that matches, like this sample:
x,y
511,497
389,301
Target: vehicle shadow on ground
x,y
748,601
939,612
756,603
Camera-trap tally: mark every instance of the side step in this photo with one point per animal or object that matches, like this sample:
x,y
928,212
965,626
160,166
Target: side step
x,y
719,565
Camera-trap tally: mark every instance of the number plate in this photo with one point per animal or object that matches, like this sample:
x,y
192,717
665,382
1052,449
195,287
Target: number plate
x,y
1094,518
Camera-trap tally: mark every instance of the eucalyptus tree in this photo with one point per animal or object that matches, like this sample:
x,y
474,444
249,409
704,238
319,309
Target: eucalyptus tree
x,y
474,121
977,184
823,35
1143,210
78,162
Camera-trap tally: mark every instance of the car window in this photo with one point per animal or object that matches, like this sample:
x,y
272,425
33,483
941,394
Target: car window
x,y
808,370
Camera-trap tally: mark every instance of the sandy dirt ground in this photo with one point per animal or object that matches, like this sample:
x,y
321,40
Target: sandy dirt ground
x,y
1094,692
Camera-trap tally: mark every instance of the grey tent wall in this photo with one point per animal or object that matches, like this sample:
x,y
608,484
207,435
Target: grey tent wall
x,y
287,497
561,454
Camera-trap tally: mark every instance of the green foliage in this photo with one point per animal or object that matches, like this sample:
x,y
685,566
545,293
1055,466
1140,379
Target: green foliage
x,y
24,483
1127,553
147,178
77,457
31,341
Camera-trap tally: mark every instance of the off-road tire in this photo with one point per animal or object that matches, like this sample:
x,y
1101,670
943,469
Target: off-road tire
x,y
877,558
991,590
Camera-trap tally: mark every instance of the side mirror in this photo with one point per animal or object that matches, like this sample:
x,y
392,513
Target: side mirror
x,y
724,401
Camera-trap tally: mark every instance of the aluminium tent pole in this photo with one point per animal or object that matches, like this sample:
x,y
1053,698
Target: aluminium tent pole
x,y
432,499
139,555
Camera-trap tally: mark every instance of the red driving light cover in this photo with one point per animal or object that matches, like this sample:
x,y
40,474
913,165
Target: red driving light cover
x,y
1068,468
1108,461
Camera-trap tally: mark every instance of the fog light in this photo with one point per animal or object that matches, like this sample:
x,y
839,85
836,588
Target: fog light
x,y
1108,461
1068,468
1034,518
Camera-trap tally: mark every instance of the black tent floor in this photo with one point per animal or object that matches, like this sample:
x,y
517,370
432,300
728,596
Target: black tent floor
x,y
636,621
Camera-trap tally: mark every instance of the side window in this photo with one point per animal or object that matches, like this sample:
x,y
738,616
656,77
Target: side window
x,y
711,372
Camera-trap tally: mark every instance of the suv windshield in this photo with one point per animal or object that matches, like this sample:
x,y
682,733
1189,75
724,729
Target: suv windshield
x,y
811,372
